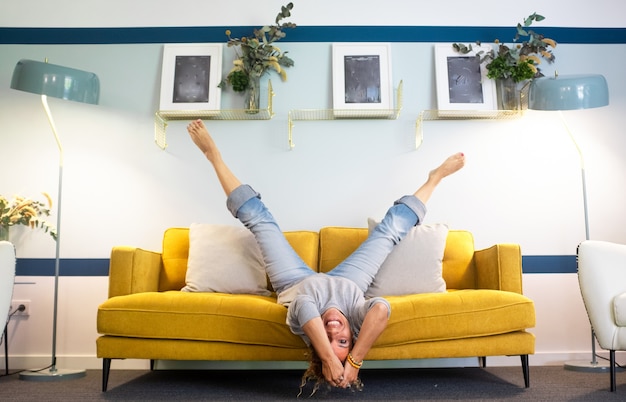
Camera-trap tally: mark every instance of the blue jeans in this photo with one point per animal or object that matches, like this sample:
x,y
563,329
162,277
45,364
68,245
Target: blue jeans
x,y
283,265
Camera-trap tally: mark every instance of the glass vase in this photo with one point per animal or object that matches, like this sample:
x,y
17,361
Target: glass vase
x,y
512,95
253,94
4,233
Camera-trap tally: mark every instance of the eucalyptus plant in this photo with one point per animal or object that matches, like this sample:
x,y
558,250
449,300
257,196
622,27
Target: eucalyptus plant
x,y
519,61
257,54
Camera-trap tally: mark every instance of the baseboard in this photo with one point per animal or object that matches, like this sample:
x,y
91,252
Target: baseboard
x,y
17,363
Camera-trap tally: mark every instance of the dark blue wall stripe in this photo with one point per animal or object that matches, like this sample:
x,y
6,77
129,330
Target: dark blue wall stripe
x,y
549,264
532,264
67,267
301,34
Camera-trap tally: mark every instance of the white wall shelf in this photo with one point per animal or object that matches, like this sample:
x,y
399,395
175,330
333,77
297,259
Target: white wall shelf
x,y
343,114
162,117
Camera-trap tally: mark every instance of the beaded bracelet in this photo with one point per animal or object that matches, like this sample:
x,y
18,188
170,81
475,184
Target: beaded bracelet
x,y
356,365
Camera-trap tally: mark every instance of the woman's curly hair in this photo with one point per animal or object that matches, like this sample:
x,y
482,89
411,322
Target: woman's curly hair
x,y
314,373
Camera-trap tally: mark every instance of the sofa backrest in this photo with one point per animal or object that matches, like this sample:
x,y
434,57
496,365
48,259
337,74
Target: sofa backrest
x,y
306,244
323,251
459,272
176,253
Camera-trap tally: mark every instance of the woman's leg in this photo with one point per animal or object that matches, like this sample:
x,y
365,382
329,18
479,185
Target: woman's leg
x,y
362,266
200,136
283,265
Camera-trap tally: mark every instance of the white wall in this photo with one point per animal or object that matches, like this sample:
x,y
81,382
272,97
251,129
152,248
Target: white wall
x,y
119,13
521,183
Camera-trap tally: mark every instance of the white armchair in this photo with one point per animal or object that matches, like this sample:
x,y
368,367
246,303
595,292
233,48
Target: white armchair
x,y
7,276
602,278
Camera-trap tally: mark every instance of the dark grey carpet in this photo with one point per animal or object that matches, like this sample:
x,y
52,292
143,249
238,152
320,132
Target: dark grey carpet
x,y
468,384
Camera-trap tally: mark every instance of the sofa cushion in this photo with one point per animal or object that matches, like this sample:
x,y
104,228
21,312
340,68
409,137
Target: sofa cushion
x,y
218,317
224,259
259,320
414,265
456,315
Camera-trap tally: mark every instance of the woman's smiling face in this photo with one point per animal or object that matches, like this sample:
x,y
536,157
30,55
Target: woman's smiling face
x,y
339,333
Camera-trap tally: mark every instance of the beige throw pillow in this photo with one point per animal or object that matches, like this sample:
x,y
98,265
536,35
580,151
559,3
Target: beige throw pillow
x,y
414,265
224,259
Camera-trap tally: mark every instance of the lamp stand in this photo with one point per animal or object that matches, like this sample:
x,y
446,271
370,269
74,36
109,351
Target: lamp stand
x,y
584,365
593,366
52,373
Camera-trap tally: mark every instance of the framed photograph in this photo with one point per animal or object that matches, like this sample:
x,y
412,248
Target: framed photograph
x,y
190,76
362,77
462,83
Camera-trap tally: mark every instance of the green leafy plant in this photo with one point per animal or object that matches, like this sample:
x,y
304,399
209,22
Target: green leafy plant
x,y
24,211
520,60
257,54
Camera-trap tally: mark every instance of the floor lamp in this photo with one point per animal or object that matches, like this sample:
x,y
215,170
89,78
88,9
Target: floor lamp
x,y
570,93
66,83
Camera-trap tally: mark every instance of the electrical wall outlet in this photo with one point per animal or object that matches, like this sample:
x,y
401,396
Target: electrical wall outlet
x,y
15,304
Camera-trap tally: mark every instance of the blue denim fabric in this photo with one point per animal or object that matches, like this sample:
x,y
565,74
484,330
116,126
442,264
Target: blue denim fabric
x,y
283,265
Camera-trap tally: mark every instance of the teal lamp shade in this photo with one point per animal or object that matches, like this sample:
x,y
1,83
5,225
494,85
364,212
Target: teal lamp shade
x,y
568,92
56,81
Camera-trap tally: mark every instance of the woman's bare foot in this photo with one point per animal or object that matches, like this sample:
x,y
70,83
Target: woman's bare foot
x,y
451,165
201,137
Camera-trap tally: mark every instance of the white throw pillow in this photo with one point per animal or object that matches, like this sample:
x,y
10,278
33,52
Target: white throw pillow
x,y
224,259
414,265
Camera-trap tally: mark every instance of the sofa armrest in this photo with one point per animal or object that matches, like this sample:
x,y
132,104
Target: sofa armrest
x,y
499,267
133,270
602,280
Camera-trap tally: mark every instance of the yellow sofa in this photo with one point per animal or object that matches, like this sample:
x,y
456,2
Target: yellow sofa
x,y
483,312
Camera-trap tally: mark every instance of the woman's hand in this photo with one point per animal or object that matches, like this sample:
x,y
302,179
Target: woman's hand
x,y
350,374
333,371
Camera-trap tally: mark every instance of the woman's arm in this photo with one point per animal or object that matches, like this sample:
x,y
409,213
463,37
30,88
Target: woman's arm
x,y
331,365
374,324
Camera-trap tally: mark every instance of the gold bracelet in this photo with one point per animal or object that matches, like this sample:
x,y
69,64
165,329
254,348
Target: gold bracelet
x,y
356,365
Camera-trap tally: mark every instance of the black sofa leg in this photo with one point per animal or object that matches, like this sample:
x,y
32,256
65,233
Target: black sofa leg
x,y
526,370
482,360
152,364
612,369
106,367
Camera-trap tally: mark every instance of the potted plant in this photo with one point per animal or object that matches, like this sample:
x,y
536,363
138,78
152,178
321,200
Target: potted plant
x,y
513,66
256,55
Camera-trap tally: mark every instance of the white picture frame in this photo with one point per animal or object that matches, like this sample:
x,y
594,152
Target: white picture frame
x,y
362,78
462,83
190,76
